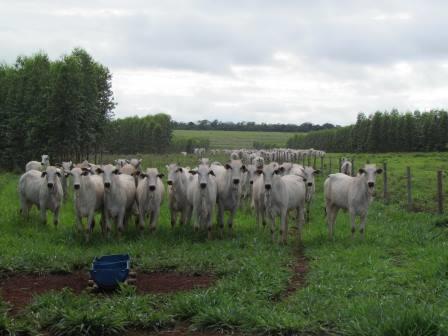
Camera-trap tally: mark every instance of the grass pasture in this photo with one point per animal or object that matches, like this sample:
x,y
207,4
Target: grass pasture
x,y
392,283
236,139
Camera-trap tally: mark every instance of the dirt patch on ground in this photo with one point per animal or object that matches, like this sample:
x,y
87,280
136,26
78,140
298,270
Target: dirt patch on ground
x,y
300,269
19,289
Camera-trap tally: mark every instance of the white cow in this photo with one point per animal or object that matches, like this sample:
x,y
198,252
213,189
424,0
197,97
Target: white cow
x,y
228,179
66,167
36,165
350,193
150,191
202,194
119,196
42,189
178,185
88,190
281,195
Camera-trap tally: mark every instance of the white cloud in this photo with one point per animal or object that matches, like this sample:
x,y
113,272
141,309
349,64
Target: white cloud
x,y
287,61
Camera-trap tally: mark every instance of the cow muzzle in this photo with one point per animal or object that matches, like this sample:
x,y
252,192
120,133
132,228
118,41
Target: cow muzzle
x,y
251,182
152,188
371,184
236,181
169,182
107,185
76,186
203,185
267,186
310,184
50,185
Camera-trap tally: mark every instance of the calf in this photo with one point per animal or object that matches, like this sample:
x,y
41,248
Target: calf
x,y
119,196
202,194
150,191
178,185
42,189
350,193
88,191
228,180
282,194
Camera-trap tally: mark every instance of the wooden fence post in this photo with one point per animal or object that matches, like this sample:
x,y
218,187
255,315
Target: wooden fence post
x,y
440,191
314,162
340,164
385,191
409,187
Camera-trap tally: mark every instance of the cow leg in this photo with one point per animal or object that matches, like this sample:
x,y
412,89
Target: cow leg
x,y
43,214
352,222
332,212
300,221
56,217
90,225
78,219
220,218
141,219
363,225
154,217
209,226
272,218
230,220
308,216
120,222
173,216
284,227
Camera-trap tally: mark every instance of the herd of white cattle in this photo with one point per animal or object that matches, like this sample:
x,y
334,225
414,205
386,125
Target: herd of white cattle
x,y
123,190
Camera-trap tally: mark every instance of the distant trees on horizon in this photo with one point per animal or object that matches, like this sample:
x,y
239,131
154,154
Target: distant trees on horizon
x,y
250,126
382,132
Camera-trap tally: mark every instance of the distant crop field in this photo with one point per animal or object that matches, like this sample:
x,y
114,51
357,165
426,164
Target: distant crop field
x,y
236,139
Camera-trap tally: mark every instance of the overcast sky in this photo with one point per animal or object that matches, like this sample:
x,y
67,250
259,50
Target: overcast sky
x,y
264,61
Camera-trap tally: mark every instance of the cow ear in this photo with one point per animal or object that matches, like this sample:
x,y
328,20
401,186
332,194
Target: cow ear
x,y
193,172
361,171
58,165
136,173
379,170
161,175
143,175
227,166
180,169
211,172
43,174
259,171
243,168
85,172
42,163
99,171
127,161
317,172
58,174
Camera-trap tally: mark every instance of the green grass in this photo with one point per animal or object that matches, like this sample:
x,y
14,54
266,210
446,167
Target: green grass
x,y
236,139
393,283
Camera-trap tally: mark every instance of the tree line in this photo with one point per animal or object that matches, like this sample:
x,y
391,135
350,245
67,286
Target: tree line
x,y
149,134
59,107
382,132
249,126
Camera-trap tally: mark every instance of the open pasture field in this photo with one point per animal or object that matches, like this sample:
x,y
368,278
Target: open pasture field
x,y
393,283
236,139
